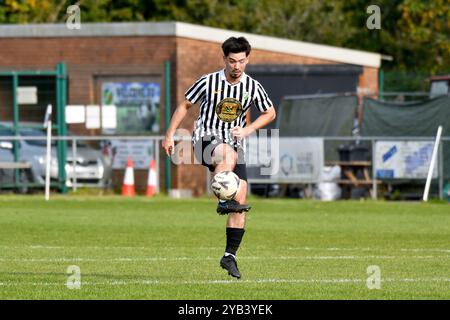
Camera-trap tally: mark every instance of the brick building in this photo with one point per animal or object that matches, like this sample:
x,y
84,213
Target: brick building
x,y
105,52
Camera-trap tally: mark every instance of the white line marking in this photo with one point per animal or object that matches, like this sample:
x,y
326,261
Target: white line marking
x,y
39,246
106,247
369,249
150,259
213,282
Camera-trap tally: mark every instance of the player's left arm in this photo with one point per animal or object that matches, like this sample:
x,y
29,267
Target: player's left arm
x,y
264,119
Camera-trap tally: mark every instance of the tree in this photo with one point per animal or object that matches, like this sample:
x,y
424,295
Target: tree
x,y
32,11
415,32
424,31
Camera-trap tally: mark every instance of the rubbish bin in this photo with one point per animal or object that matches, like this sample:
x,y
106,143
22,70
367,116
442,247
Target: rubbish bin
x,y
344,152
358,153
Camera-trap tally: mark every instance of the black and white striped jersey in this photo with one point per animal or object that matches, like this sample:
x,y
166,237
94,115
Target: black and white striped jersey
x,y
224,105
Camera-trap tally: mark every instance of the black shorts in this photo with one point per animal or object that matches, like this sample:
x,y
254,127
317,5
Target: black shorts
x,y
204,148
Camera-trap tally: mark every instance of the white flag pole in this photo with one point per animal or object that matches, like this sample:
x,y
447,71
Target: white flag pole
x,y
48,125
433,160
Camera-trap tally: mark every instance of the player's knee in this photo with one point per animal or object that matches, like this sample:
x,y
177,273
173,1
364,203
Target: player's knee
x,y
224,154
232,157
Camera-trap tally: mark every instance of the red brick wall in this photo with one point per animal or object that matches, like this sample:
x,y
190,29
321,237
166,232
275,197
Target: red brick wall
x,y
86,56
368,80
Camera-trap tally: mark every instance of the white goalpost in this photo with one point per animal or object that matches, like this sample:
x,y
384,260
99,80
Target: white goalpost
x,y
432,163
48,158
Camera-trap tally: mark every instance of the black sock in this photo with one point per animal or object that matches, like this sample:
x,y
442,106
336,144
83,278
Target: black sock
x,y
234,237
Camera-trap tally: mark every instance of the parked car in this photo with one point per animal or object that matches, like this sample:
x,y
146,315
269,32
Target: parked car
x,y
92,168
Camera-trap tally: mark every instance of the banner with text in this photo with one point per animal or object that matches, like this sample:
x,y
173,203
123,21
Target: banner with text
x,y
140,151
298,160
403,159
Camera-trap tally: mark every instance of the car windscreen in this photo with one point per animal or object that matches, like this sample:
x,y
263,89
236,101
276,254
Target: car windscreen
x,y
35,133
6,132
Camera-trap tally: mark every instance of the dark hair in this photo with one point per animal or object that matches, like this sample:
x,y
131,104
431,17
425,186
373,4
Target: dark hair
x,y
236,45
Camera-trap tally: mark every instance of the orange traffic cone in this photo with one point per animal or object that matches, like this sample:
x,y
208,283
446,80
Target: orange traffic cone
x,y
128,180
151,182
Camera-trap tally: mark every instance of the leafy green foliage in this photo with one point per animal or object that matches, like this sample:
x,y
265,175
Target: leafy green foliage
x,y
415,33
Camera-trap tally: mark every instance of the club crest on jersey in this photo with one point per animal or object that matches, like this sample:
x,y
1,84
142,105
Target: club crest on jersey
x,y
229,109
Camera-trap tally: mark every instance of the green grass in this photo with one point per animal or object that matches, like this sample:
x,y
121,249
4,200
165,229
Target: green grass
x,y
162,248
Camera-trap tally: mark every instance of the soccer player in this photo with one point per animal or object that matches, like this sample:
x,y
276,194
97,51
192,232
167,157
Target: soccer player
x,y
225,98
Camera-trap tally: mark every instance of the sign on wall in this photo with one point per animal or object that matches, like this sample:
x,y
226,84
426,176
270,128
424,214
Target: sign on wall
x,y
75,114
137,106
27,95
109,118
300,159
403,159
141,152
289,160
92,117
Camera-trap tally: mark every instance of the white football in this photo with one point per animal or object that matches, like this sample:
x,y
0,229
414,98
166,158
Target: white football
x,y
225,185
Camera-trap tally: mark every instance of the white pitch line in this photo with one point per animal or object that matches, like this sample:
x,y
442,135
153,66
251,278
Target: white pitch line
x,y
106,247
215,282
38,246
150,259
424,250
369,249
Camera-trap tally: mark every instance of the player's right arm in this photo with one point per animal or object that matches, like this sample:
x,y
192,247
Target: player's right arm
x,y
178,116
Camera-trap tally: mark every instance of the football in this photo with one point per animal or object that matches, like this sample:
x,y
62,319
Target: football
x,y
225,185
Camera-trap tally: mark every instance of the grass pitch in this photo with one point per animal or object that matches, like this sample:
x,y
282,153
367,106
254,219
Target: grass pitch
x,y
162,248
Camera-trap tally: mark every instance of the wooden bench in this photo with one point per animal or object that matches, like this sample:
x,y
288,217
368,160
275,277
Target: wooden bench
x,y
350,170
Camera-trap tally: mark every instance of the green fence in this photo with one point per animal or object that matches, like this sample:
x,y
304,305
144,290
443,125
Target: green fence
x,y
24,97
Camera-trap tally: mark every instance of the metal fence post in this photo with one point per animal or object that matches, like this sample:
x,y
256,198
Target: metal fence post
x,y
374,172
61,86
74,164
16,126
167,121
441,170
